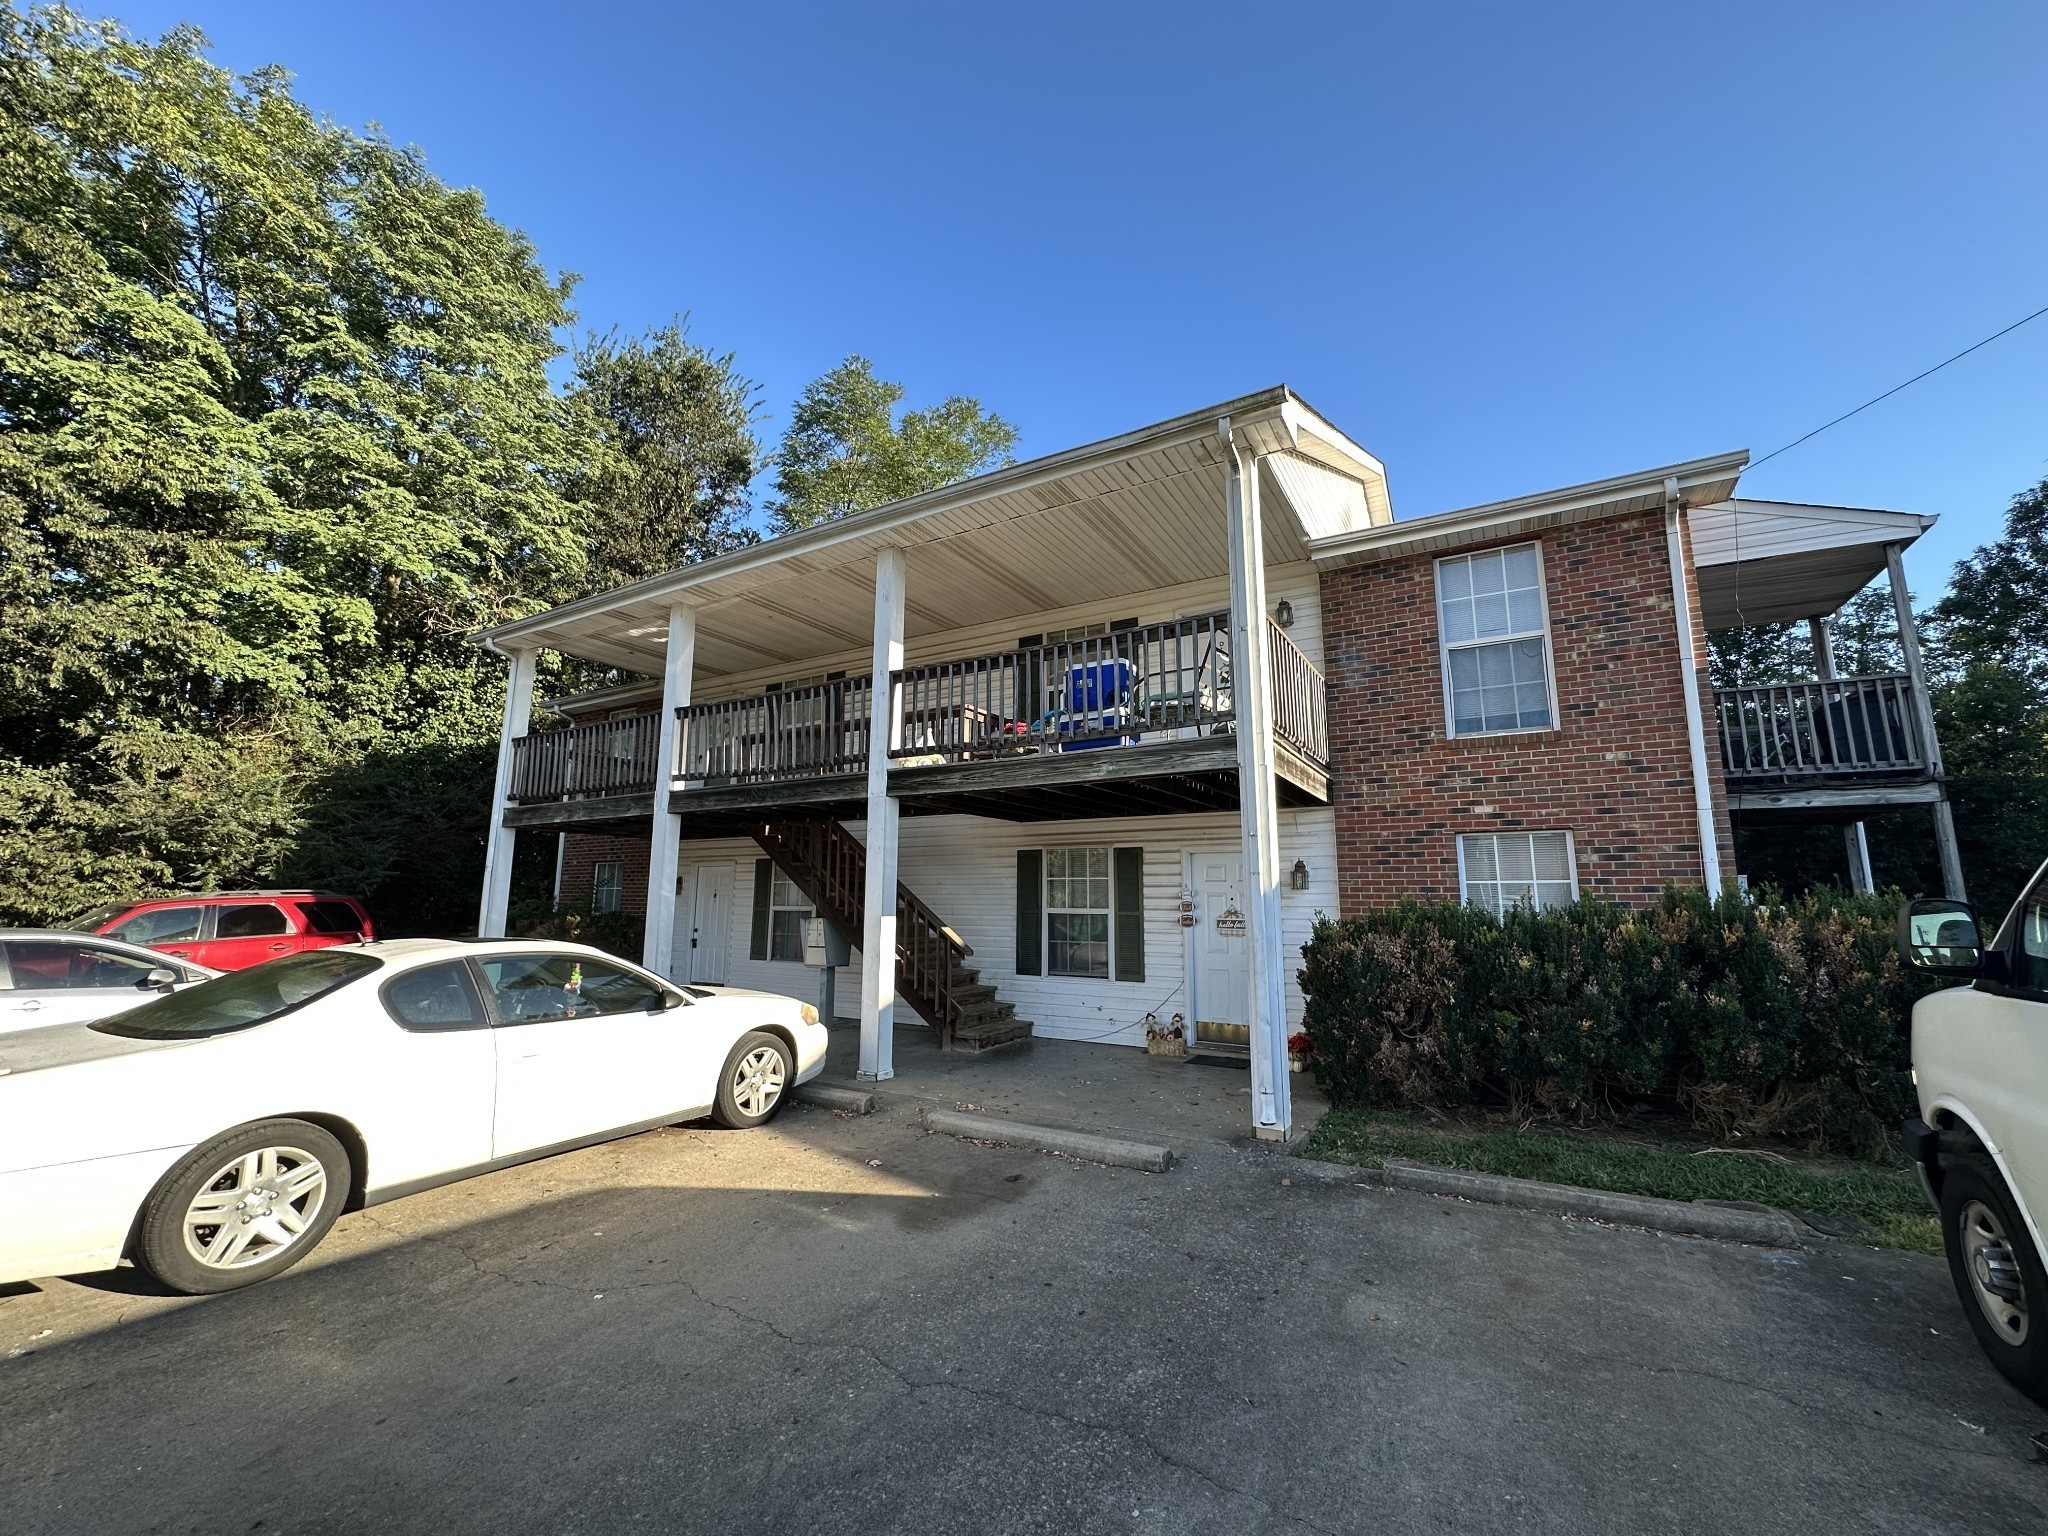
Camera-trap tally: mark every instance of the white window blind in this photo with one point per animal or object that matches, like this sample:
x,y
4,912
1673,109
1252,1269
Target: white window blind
x,y
1499,870
1496,642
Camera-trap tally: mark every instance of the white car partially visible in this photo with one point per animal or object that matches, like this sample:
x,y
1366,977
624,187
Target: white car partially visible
x,y
214,1135
55,976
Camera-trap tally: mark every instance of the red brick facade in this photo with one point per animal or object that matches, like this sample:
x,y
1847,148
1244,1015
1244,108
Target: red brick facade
x,y
582,854
1616,773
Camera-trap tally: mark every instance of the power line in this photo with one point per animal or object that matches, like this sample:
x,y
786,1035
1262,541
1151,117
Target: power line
x,y
1866,405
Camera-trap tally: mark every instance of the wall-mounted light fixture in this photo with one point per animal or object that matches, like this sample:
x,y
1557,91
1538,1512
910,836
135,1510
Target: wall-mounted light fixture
x,y
1297,878
1283,614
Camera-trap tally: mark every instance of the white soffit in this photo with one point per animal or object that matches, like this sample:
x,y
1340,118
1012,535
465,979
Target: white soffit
x,y
1769,562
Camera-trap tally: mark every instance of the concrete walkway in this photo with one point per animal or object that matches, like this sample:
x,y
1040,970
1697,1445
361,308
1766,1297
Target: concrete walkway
x,y
1111,1090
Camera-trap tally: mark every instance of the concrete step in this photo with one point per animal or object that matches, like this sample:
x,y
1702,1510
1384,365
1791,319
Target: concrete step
x,y
991,1036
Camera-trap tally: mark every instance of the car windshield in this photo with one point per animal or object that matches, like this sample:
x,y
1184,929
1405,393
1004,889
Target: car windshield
x,y
86,922
241,999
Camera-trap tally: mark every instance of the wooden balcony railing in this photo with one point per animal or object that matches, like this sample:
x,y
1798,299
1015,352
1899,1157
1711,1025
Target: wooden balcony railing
x,y
1301,715
601,757
1848,727
1102,691
796,733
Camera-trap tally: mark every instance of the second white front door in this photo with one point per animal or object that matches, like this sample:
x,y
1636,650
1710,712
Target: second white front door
x,y
1221,968
704,925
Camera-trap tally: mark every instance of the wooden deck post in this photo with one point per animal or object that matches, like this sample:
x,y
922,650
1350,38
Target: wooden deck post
x,y
1923,710
878,925
1854,842
664,858
1258,811
490,922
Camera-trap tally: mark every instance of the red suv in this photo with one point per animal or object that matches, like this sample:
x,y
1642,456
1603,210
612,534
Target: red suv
x,y
232,930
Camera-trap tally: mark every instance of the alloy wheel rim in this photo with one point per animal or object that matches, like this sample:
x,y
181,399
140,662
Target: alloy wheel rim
x,y
1994,1272
254,1207
758,1082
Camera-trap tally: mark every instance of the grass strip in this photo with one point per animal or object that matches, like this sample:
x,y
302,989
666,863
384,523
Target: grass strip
x,y
1884,1203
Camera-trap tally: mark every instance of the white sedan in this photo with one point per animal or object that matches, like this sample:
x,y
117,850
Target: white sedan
x,y
59,977
213,1136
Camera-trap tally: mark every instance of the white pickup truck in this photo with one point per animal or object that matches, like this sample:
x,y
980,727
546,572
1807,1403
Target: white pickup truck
x,y
1980,1063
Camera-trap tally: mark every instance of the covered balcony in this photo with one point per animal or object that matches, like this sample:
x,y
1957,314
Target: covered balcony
x,y
1141,719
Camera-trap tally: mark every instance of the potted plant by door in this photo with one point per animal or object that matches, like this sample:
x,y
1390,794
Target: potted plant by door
x,y
1299,1048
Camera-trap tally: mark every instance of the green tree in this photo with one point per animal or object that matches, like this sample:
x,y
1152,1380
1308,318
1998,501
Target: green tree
x,y
674,450
847,449
275,431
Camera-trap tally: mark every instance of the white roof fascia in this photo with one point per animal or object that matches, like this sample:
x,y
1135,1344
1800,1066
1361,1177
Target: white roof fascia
x,y
1875,525
1470,524
899,514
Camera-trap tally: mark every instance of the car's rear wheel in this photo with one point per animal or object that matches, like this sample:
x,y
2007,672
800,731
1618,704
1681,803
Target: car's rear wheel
x,y
242,1207
754,1082
1997,1273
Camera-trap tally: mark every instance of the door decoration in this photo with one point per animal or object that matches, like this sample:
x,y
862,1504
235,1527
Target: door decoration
x,y
1230,922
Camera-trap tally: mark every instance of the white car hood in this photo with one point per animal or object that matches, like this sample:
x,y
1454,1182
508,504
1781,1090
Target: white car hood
x,y
717,992
64,1045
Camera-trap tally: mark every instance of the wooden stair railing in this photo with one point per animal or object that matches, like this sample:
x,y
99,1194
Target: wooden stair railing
x,y
829,865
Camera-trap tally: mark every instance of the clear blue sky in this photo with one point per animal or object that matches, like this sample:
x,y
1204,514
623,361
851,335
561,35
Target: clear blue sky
x,y
1505,246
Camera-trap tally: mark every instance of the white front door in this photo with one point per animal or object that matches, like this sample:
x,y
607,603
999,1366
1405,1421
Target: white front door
x,y
1220,967
704,925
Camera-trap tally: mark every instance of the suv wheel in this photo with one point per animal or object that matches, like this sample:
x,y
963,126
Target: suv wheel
x,y
1997,1273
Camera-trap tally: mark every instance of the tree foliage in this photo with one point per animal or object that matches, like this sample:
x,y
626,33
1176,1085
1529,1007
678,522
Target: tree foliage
x,y
847,449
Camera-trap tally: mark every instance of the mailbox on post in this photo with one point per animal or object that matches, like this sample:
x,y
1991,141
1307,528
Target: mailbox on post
x,y
826,948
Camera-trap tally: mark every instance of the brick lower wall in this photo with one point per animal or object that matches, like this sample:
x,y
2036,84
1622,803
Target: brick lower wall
x,y
1616,773
582,854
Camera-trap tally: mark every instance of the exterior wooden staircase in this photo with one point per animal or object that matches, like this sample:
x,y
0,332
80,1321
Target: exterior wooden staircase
x,y
828,864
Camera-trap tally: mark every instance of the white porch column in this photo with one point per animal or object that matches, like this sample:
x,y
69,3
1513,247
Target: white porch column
x,y
1258,813
878,927
490,922
1923,709
657,951
1854,843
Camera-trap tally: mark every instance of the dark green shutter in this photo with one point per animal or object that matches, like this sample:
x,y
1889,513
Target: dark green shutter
x,y
1127,894
764,884
1030,911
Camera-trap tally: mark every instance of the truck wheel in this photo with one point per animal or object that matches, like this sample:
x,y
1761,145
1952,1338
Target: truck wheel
x,y
242,1207
1997,1273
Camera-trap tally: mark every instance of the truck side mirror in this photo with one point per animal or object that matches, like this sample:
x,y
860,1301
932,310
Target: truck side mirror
x,y
1941,938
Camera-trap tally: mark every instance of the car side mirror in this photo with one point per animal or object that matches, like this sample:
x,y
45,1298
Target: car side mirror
x,y
160,979
672,1001
1941,938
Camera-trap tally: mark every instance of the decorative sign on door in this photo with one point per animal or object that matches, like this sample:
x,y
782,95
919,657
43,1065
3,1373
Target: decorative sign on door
x,y
1230,922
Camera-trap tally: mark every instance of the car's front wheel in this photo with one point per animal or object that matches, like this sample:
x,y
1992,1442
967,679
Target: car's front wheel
x,y
242,1207
1997,1273
754,1082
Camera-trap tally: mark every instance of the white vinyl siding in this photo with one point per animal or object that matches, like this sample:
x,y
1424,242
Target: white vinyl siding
x,y
1077,912
1494,630
1500,870
788,911
607,886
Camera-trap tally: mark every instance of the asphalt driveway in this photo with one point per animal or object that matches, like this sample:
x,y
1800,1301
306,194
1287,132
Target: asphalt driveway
x,y
846,1325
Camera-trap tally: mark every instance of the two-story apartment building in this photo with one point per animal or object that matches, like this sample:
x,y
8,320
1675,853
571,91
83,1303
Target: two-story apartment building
x,y
1085,745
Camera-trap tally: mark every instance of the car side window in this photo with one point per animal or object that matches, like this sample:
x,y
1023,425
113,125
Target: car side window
x,y
252,922
2030,955
330,917
163,925
435,997
40,966
529,988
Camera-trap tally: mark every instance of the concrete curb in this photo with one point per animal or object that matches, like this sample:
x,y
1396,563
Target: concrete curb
x,y
854,1101
1045,1138
1693,1217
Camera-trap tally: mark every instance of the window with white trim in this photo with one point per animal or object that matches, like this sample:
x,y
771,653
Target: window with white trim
x,y
1077,912
607,886
788,910
1500,870
1495,635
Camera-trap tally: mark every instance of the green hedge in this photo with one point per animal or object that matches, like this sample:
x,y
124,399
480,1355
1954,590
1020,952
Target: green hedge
x,y
1755,1016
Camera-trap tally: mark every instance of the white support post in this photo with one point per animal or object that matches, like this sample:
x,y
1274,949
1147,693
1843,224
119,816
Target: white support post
x,y
498,846
1689,684
878,926
1854,843
1923,711
1258,811
664,858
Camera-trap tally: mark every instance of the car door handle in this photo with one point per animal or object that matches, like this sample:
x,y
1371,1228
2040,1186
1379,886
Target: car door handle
x,y
29,1004
275,947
